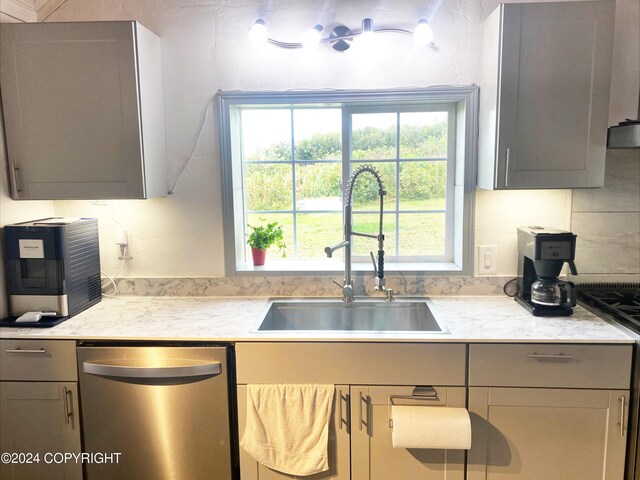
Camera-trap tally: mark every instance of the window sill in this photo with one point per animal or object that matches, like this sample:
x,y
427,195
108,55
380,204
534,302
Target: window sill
x,y
336,268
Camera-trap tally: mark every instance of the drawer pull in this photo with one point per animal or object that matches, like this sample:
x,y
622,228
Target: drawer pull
x,y
26,350
538,356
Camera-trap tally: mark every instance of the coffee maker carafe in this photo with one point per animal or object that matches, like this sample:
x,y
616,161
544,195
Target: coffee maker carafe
x,y
542,252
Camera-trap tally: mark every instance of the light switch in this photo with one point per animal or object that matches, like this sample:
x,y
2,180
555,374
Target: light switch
x,y
487,260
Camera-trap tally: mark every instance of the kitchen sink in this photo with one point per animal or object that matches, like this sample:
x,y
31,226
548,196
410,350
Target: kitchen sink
x,y
362,315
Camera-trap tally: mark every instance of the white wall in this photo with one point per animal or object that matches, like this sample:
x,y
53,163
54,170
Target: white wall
x,y
205,49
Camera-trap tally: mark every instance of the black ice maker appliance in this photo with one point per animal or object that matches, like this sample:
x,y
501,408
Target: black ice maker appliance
x,y
52,265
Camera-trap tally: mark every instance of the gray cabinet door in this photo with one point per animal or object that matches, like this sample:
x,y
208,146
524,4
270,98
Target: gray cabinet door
x,y
372,454
43,418
73,104
339,462
552,100
551,434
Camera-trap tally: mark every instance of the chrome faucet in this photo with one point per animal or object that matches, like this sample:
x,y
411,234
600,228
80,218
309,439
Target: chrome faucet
x,y
347,282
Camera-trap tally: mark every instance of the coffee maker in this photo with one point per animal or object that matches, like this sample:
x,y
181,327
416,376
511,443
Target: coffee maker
x,y
52,266
542,252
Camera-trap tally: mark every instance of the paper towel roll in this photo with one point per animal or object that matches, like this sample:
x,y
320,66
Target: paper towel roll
x,y
430,427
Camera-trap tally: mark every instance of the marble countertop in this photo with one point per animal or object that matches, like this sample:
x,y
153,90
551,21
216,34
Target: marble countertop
x,y
469,319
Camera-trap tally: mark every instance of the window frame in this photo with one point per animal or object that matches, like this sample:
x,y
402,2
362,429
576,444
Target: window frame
x,y
464,100
347,162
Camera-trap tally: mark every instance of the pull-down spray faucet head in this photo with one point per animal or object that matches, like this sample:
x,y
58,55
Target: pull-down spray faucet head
x,y
356,173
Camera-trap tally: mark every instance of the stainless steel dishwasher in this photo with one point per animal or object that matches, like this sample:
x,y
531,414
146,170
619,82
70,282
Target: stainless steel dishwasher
x,y
158,412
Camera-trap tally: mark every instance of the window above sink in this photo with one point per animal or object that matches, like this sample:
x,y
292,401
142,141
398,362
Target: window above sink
x,y
287,157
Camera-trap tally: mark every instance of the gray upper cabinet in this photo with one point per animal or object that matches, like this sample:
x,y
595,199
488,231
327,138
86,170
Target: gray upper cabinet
x,y
544,79
83,110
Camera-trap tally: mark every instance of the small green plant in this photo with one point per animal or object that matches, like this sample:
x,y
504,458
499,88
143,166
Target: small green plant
x,y
262,237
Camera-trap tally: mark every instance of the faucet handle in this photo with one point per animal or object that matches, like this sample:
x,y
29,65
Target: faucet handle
x,y
347,293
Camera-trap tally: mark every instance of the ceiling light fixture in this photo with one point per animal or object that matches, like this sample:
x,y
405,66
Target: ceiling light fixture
x,y
258,33
367,28
340,37
423,35
311,38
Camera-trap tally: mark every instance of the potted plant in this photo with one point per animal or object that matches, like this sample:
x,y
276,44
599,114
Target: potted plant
x,y
262,237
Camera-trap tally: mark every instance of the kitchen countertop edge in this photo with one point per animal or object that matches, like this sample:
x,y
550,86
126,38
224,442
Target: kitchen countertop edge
x,y
479,319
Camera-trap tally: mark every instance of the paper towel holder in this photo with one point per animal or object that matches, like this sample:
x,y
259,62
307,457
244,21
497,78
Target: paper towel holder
x,y
419,393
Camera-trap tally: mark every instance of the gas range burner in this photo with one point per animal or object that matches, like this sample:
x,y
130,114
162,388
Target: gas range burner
x,y
629,309
620,300
616,298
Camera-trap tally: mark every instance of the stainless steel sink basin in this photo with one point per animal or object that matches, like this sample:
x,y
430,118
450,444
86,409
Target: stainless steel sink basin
x,y
359,316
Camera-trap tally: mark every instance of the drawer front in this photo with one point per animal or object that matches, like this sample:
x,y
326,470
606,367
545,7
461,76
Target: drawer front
x,y
550,365
38,360
351,363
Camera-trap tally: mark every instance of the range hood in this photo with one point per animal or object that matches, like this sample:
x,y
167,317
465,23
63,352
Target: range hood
x,y
626,134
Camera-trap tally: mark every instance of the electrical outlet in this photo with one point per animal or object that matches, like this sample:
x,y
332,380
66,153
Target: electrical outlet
x,y
123,242
487,260
122,236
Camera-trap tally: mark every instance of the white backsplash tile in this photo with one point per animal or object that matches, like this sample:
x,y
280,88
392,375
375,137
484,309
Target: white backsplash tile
x,y
621,191
498,214
607,220
292,286
607,242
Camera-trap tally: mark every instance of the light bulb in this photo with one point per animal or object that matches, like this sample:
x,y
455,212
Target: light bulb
x,y
258,33
311,38
423,35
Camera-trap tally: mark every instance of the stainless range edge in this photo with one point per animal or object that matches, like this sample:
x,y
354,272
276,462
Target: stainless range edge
x,y
619,303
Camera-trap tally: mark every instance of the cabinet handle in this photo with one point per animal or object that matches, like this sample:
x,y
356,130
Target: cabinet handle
x,y
550,357
26,350
342,420
340,408
622,404
363,399
13,176
506,170
68,402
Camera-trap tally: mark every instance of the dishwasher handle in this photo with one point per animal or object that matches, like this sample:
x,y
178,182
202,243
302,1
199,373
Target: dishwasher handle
x,y
186,369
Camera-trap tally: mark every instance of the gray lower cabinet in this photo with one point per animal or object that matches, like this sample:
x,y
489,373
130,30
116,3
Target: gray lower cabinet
x,y
548,411
551,434
39,412
339,462
544,81
360,445
372,454
39,418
